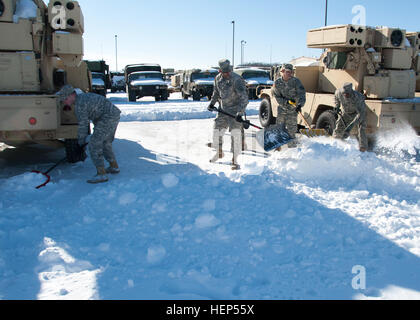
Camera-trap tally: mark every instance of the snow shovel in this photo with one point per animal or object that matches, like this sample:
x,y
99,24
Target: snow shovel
x,y
269,138
46,174
309,132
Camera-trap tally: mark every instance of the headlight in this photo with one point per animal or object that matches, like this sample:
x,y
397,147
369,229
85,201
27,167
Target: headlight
x,y
157,87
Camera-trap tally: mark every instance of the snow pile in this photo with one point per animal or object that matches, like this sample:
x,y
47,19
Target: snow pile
x,y
173,109
401,141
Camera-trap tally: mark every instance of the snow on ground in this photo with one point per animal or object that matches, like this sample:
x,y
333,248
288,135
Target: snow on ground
x,y
305,223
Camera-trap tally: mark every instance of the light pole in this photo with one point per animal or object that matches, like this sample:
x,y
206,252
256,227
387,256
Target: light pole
x,y
326,12
233,44
243,43
116,54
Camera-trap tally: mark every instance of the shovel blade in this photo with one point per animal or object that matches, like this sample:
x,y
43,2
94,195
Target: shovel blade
x,y
314,132
273,137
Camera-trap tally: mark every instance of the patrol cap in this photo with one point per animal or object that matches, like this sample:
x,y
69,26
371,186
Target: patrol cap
x,y
287,66
65,92
347,87
225,66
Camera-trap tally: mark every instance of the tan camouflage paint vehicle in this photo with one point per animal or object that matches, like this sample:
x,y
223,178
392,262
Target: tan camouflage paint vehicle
x,y
40,53
378,61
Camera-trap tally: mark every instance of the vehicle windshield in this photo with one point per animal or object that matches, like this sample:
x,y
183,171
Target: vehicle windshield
x,y
98,76
203,75
255,74
144,76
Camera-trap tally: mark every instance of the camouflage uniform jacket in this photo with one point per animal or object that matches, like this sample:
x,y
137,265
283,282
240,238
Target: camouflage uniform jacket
x,y
93,107
284,91
354,104
232,92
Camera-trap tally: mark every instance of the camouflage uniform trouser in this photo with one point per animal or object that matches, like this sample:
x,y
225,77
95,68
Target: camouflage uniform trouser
x,y
100,145
221,124
344,120
288,117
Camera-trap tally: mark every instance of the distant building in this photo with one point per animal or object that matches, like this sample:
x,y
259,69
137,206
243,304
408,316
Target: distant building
x,y
304,62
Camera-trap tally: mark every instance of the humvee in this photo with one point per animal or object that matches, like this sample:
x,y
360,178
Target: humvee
x,y
117,81
101,76
198,83
98,83
377,61
256,80
145,80
39,53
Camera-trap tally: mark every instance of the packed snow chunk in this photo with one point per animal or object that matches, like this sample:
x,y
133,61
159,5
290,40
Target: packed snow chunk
x,y
61,276
290,214
25,9
127,198
169,180
155,254
209,205
206,221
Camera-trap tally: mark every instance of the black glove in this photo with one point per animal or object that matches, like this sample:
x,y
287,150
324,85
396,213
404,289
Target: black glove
x,y
337,110
298,109
246,124
211,107
239,117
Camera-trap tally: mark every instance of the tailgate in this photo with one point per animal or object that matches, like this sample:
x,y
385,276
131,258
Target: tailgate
x,y
28,112
390,114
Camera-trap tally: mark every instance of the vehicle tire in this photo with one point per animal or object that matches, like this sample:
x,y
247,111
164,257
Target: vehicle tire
x,y
165,96
327,121
265,113
196,96
131,96
158,98
74,152
184,95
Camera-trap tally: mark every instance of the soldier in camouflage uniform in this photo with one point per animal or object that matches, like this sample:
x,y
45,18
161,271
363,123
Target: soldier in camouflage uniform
x,y
287,89
230,89
105,117
353,106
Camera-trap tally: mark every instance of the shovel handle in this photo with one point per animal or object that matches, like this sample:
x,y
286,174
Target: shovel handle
x,y
234,117
306,122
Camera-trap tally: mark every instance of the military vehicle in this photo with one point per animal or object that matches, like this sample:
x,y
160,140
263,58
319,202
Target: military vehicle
x,y
255,79
144,80
101,76
377,61
41,49
117,81
198,83
98,83
176,82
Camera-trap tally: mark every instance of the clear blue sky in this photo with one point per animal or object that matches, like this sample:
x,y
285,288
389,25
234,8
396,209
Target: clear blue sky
x,y
192,33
